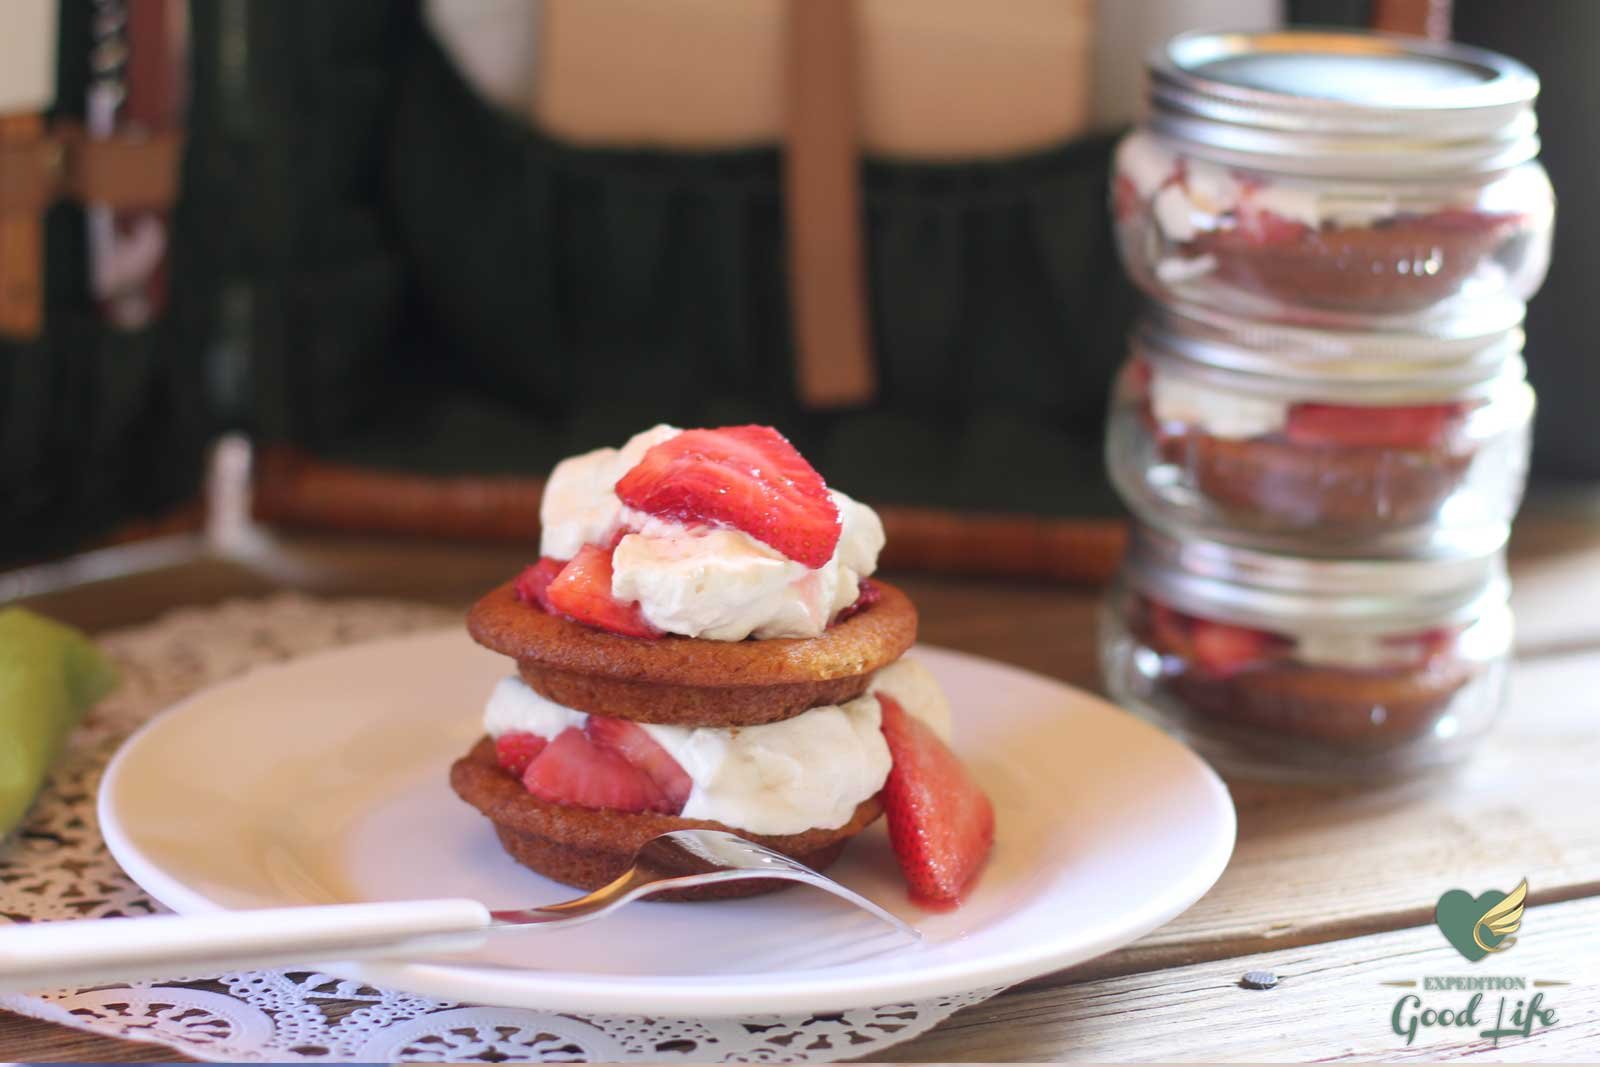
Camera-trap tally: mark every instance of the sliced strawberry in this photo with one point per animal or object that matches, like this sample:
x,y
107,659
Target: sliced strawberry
x,y
582,592
1170,629
1438,643
517,749
1140,375
940,822
1267,229
1471,220
1417,426
533,584
633,743
868,595
574,770
747,477
1124,198
1223,650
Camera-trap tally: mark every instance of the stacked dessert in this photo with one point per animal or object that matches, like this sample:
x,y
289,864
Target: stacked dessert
x,y
701,645
1306,667
1285,239
1338,231
1355,436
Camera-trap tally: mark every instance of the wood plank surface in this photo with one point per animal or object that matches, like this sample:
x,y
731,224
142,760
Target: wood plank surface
x,y
1329,1005
27,1040
1312,868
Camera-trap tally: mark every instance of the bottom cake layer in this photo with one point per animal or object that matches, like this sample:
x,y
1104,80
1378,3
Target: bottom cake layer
x,y
588,848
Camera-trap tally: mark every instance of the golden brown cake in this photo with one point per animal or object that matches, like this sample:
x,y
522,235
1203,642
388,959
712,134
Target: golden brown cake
x,y
1355,487
700,646
687,682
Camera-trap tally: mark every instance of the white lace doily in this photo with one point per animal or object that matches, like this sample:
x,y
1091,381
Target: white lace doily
x,y
56,867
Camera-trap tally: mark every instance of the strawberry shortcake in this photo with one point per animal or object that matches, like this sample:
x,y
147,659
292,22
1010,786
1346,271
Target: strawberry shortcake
x,y
1365,691
701,644
1190,227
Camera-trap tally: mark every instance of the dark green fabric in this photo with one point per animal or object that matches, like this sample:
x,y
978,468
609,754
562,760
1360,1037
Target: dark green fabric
x,y
95,424
1353,13
571,296
286,289
371,263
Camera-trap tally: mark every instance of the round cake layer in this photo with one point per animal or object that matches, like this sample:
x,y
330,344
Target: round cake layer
x,y
682,681
1352,487
1348,708
584,868
1343,706
588,848
1391,267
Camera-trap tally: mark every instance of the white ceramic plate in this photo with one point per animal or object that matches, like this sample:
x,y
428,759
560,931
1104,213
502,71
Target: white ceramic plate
x,y
324,780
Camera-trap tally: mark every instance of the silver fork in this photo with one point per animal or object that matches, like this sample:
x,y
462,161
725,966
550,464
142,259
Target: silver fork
x,y
54,954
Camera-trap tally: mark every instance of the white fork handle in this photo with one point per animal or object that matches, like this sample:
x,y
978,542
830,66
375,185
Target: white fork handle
x,y
49,955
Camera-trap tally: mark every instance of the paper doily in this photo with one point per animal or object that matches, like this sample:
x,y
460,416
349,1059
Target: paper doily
x,y
56,867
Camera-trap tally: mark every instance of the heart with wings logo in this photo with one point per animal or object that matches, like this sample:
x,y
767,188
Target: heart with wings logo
x,y
1477,926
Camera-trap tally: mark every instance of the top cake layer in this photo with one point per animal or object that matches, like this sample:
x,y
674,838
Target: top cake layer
x,y
681,681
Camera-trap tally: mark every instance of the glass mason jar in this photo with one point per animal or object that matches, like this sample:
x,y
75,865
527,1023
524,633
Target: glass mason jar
x,y
1315,437
1333,178
1305,669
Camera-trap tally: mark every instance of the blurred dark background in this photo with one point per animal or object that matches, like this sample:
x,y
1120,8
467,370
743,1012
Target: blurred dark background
x,y
375,268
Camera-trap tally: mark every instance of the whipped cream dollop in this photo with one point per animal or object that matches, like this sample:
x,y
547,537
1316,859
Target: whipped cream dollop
x,y
807,772
702,581
1355,651
1229,414
1486,638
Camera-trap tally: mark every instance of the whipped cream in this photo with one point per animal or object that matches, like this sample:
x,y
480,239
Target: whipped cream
x,y
807,772
1145,163
1355,651
1210,194
702,581
1175,398
1485,639
580,505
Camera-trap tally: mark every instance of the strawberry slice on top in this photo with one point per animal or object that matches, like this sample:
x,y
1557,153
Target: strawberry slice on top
x,y
749,478
582,592
533,584
868,594
941,824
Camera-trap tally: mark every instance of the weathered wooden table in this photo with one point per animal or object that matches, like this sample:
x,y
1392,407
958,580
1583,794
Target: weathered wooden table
x,y
1332,891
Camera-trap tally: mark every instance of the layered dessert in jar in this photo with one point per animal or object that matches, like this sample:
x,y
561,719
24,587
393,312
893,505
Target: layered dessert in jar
x,y
1323,176
1255,433
1308,668
702,644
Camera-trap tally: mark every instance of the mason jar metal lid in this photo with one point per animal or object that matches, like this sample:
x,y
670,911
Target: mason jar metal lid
x,y
1454,582
1335,102
1364,366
